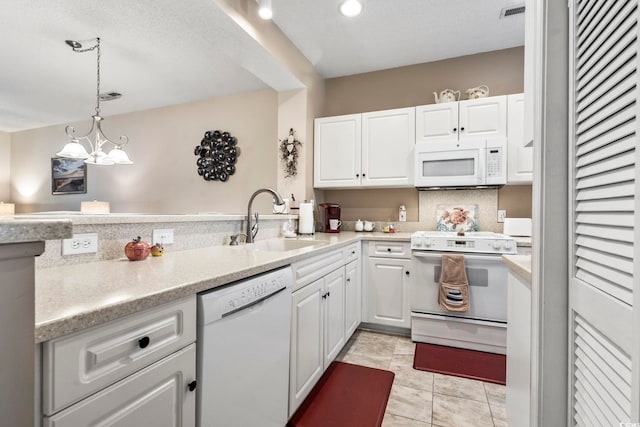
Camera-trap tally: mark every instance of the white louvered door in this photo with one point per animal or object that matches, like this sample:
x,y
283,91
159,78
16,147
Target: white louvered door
x,y
603,348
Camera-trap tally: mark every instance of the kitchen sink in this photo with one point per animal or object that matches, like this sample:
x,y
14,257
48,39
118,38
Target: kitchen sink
x,y
284,245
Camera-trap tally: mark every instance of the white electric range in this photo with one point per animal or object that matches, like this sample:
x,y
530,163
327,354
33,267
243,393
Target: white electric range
x,y
483,326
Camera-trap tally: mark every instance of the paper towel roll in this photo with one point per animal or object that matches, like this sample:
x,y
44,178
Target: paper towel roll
x,y
305,218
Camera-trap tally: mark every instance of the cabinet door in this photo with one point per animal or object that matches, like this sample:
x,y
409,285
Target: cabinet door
x,y
483,118
437,122
388,138
388,291
337,150
156,396
520,158
307,332
334,300
353,298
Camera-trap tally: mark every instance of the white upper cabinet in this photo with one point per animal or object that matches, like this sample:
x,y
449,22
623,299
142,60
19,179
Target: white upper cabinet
x,y
437,121
337,142
520,157
388,139
470,119
365,150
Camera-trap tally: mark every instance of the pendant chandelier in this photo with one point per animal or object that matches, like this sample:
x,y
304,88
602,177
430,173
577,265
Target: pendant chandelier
x,y
95,137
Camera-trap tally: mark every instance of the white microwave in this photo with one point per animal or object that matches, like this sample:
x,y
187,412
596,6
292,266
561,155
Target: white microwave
x,y
455,164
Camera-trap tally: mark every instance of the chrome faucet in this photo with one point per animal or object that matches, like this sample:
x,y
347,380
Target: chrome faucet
x,y
252,229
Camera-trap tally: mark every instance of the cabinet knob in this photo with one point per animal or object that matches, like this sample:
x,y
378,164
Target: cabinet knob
x,y
192,385
364,174
348,279
324,296
353,252
357,175
388,249
461,129
407,272
328,294
455,129
143,342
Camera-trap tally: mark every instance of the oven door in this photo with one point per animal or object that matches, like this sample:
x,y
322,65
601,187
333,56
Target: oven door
x,y
487,276
450,164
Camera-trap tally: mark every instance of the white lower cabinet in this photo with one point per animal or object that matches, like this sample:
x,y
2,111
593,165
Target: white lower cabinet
x,y
317,332
386,283
156,396
324,314
137,370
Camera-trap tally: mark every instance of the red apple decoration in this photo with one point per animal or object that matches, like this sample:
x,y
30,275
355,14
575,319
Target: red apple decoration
x,y
137,250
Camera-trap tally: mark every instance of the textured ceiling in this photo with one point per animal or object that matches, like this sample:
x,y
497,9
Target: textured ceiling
x,y
166,52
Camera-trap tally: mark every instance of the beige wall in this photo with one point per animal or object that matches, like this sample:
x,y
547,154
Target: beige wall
x,y
502,71
5,166
413,85
163,178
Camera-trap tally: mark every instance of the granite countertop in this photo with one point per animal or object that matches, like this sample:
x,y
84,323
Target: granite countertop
x,y
74,297
519,264
21,230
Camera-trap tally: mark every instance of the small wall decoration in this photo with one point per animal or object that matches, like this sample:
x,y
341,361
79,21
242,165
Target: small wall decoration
x,y
289,154
68,176
217,155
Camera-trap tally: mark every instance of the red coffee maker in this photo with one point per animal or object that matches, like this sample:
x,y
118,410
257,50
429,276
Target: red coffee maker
x,y
327,212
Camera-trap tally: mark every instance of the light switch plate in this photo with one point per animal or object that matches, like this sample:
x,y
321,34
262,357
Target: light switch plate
x,y
162,235
86,243
502,214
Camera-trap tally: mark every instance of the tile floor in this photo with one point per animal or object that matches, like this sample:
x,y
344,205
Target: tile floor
x,y
425,399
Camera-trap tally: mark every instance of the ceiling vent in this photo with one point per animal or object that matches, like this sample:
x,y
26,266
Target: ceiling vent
x,y
109,96
511,11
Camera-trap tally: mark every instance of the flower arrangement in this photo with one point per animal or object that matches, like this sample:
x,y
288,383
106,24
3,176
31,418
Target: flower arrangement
x,y
289,152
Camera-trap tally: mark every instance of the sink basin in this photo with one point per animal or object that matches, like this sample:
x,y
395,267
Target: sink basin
x,y
282,245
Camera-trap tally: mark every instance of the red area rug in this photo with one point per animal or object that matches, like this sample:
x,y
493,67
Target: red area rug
x,y
460,362
346,395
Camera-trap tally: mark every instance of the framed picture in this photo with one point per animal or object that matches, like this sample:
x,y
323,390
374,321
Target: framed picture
x,y
68,176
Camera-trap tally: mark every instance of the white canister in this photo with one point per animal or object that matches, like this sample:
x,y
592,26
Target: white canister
x,y
305,218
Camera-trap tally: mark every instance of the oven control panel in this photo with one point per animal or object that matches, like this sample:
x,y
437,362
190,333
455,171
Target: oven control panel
x,y
489,243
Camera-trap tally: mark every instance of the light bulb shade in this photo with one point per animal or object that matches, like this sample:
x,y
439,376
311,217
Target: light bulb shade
x,y
99,158
119,156
350,8
264,9
7,208
73,150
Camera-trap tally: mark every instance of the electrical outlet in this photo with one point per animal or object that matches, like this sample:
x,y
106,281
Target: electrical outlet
x,y
162,235
502,214
86,243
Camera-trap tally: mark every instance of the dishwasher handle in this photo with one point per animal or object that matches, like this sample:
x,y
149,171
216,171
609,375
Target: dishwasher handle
x,y
251,304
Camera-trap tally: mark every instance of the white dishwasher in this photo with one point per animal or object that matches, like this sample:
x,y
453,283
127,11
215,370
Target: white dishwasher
x,y
243,352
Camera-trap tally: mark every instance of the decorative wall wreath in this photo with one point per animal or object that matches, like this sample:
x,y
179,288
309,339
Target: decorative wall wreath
x,y
217,155
289,153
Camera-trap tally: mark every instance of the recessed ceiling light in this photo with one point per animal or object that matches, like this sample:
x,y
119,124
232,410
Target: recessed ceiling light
x,y
351,8
264,9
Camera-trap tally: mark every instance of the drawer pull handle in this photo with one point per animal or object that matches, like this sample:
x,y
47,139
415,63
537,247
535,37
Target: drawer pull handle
x,y
143,342
192,385
388,249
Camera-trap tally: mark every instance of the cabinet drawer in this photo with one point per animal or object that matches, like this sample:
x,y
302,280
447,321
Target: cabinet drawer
x,y
351,253
390,249
305,272
156,396
82,363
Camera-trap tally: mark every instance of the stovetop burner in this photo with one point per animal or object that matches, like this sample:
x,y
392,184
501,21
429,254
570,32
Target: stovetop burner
x,y
478,242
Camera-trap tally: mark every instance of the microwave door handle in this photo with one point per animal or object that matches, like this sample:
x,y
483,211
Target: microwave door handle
x,y
482,158
438,255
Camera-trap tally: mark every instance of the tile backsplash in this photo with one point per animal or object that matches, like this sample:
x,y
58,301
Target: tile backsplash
x,y
487,201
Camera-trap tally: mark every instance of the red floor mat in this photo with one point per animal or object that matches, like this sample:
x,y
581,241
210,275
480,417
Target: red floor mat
x,y
346,395
460,362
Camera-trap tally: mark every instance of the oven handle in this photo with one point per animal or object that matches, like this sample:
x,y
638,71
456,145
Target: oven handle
x,y
438,255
